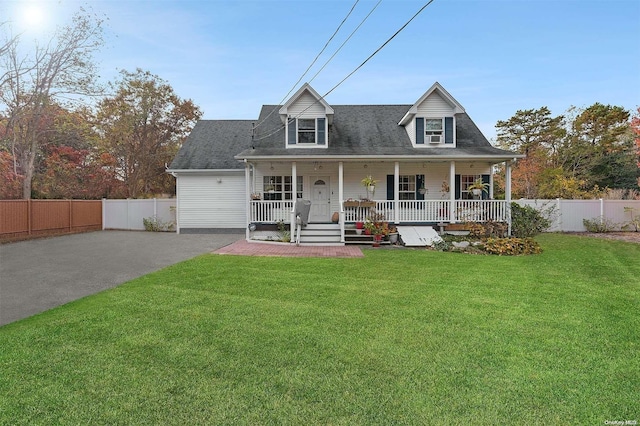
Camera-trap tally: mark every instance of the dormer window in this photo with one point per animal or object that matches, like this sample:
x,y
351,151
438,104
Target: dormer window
x,y
434,128
307,132
431,131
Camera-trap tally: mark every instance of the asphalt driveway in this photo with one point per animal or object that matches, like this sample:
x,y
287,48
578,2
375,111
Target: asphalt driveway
x,y
40,274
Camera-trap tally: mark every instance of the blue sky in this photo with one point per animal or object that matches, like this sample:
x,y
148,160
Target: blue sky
x,y
494,56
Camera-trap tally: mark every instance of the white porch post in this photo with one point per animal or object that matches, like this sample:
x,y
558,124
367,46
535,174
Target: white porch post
x,y
507,193
341,198
396,193
452,191
294,197
247,199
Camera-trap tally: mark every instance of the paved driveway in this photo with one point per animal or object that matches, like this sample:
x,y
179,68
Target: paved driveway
x,y
40,274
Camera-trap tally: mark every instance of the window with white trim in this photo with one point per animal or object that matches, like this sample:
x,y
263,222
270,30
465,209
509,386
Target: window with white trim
x,y
434,130
307,132
280,187
465,183
407,188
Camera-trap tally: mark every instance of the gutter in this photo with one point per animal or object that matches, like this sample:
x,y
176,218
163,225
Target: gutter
x,y
351,158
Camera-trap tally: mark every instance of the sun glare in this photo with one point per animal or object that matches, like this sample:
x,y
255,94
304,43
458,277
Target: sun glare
x,y
33,16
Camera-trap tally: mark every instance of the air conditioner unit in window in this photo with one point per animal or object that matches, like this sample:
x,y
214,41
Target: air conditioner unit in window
x,y
434,138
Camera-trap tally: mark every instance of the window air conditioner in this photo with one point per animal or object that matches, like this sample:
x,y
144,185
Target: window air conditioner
x,y
434,138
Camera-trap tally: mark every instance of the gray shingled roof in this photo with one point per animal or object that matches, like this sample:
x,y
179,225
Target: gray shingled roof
x,y
213,144
357,130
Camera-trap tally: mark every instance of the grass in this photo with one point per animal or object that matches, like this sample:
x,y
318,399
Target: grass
x,y
399,337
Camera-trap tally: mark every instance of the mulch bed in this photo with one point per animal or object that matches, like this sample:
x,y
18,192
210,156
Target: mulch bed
x,y
630,237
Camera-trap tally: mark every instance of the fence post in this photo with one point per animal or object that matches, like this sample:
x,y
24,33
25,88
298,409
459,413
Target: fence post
x,y
559,207
601,211
70,216
104,213
155,207
128,221
29,216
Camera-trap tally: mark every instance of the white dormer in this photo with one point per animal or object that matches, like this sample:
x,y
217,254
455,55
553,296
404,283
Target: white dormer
x,y
431,121
306,116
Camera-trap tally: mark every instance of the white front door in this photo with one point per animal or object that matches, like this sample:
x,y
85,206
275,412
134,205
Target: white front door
x,y
320,199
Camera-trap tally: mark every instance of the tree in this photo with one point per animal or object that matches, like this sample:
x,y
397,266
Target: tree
x,y
635,128
531,130
142,126
599,148
31,84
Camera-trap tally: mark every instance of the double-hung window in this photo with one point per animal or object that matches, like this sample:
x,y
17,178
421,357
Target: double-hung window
x,y
280,187
407,190
434,130
306,132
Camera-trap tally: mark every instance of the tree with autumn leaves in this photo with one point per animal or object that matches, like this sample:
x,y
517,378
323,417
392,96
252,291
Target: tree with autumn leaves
x,y
53,146
576,155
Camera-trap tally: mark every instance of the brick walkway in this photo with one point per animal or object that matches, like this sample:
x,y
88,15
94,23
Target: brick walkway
x,y
247,248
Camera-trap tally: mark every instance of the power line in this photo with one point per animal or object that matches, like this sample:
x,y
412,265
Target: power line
x,y
312,63
274,131
345,42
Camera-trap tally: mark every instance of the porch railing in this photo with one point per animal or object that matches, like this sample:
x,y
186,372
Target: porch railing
x,y
266,211
433,211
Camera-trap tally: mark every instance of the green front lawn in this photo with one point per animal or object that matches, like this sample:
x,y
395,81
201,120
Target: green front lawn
x,y
399,337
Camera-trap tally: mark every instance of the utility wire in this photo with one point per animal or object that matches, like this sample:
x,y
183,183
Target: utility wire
x,y
274,131
345,42
310,66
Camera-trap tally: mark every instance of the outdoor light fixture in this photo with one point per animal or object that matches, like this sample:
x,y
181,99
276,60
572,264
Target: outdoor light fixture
x,y
252,227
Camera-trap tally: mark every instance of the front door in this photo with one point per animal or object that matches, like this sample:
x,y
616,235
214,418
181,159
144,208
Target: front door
x,y
320,200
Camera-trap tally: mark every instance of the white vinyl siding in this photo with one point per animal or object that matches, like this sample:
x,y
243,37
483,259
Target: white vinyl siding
x,y
306,106
206,203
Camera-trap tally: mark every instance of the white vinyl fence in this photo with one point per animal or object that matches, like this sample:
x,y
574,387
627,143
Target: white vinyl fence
x,y
128,214
568,214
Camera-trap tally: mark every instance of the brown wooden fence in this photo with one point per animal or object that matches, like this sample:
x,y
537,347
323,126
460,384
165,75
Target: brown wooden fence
x,y
31,218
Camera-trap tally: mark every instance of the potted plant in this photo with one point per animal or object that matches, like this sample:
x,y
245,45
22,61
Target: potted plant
x,y
370,184
444,188
478,187
359,227
393,235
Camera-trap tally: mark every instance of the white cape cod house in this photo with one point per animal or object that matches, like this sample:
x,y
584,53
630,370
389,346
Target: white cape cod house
x,y
247,174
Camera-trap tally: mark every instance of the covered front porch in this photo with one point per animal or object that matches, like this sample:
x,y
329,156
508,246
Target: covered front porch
x,y
417,193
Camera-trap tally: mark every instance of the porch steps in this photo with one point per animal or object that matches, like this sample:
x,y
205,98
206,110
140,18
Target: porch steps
x,y
351,237
320,234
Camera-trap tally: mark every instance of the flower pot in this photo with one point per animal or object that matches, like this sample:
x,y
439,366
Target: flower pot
x,y
393,238
476,191
358,231
376,240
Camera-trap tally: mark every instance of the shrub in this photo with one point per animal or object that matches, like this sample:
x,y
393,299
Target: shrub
x,y
155,224
283,232
487,229
598,225
528,222
442,245
512,246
